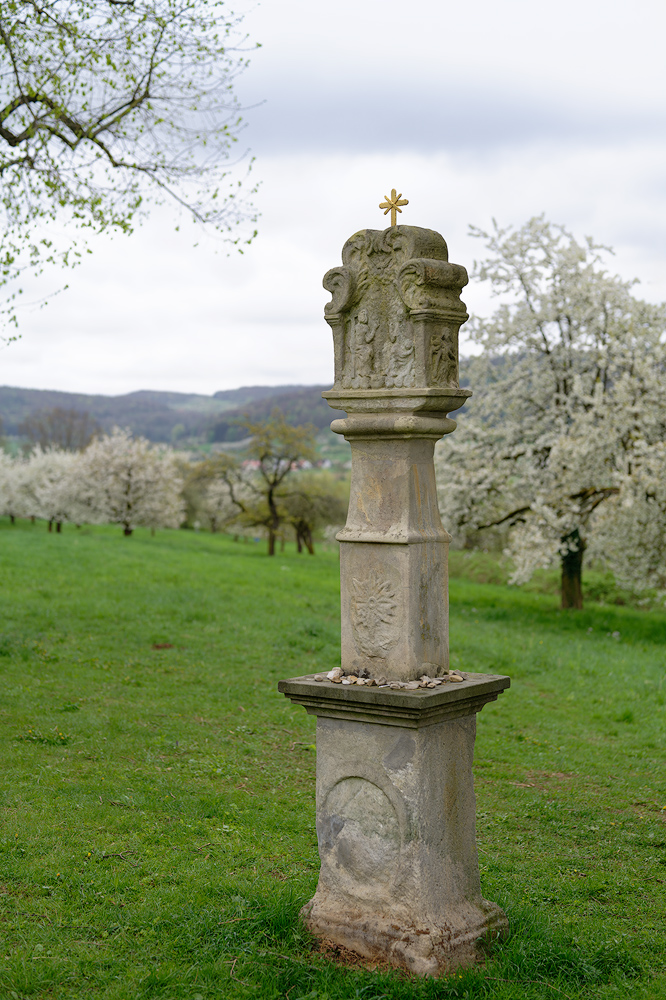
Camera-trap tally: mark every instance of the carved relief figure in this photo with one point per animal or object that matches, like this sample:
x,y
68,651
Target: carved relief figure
x,y
400,360
444,363
363,350
358,825
373,615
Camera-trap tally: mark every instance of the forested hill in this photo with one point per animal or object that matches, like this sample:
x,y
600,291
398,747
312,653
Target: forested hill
x,y
302,405
171,416
178,417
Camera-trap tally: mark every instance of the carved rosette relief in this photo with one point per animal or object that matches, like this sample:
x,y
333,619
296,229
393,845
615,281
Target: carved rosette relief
x,y
392,282
374,617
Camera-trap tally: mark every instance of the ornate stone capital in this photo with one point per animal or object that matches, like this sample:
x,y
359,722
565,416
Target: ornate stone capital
x,y
395,313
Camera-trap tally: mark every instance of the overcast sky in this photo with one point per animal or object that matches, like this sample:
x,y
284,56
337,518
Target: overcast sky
x,y
472,111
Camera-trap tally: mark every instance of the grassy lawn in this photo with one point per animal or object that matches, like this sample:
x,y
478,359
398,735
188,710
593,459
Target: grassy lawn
x,y
157,794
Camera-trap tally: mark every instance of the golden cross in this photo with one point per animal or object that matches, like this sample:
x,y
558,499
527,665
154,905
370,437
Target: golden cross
x,y
392,205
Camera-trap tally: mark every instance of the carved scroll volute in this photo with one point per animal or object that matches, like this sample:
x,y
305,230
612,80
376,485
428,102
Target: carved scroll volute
x,y
339,281
431,291
433,284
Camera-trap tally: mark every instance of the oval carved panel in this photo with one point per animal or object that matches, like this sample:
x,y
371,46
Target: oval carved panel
x,y
359,826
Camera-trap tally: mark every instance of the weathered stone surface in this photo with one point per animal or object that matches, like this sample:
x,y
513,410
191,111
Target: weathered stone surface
x,y
395,311
396,811
395,316
399,873
395,706
394,585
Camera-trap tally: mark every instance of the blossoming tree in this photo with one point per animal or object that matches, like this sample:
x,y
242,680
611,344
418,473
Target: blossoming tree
x,y
571,395
127,481
107,107
50,487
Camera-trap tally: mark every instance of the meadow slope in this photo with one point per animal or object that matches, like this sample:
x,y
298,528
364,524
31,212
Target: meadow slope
x,y
157,794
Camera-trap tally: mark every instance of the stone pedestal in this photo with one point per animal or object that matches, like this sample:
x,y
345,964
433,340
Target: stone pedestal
x,y
399,878
399,874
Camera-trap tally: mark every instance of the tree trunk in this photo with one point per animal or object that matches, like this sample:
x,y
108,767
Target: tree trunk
x,y
274,526
12,519
572,572
127,531
58,526
50,525
304,537
32,519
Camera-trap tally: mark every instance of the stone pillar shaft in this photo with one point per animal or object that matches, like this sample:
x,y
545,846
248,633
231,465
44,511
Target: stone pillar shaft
x,y
393,554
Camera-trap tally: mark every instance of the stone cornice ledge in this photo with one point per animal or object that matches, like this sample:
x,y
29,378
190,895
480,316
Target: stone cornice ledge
x,y
433,398
385,706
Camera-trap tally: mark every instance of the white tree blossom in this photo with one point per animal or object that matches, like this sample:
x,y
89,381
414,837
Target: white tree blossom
x,y
217,505
630,531
569,389
128,481
12,500
50,486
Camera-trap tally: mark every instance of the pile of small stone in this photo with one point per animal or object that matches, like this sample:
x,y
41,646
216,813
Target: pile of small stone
x,y
338,676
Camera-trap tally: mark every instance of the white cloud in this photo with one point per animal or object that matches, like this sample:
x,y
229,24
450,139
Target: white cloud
x,y
150,311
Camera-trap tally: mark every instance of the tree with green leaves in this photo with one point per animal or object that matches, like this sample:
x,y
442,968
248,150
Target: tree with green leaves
x,y
107,106
312,500
256,483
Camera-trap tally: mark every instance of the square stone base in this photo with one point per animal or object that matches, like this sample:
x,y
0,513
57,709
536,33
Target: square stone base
x,y
418,948
399,879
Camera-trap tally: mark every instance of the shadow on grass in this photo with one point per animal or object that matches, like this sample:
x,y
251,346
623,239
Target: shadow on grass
x,y
267,953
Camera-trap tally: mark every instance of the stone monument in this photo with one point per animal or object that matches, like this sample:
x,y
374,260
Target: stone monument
x,y
399,878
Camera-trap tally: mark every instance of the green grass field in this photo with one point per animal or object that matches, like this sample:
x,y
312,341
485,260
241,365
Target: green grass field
x,y
157,794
